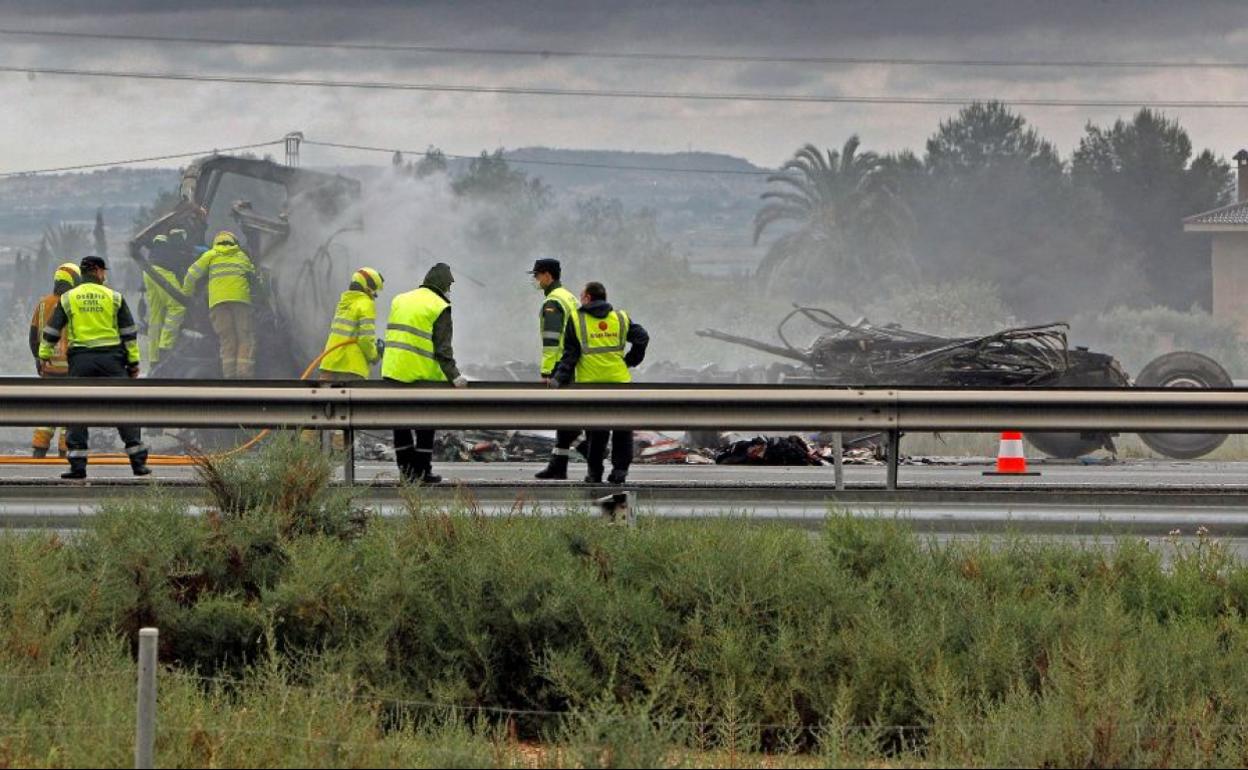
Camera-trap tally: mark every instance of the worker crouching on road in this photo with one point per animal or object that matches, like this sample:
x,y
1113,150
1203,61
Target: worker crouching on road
x,y
594,353
230,272
418,349
351,348
103,342
559,306
65,278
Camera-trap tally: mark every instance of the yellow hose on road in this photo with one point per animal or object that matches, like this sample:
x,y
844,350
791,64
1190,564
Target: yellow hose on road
x,y
116,458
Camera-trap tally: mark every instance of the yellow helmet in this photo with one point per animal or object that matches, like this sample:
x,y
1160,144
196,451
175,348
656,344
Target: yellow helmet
x,y
67,272
369,278
225,238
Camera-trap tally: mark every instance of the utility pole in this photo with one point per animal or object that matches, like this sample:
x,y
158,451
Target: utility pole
x,y
293,139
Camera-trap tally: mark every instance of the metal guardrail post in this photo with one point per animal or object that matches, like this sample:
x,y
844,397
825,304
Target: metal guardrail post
x,y
348,462
894,457
145,723
838,460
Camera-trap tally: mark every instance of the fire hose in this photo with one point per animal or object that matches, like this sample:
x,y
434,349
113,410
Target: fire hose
x,y
117,458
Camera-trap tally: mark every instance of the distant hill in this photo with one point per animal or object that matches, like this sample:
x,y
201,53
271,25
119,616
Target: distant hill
x,y
707,216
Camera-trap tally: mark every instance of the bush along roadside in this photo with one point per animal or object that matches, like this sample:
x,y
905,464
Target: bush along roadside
x,y
624,645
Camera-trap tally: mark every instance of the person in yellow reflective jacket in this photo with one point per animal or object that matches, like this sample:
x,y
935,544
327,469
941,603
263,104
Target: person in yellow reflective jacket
x,y
594,354
164,310
559,305
65,278
351,348
230,273
103,342
418,349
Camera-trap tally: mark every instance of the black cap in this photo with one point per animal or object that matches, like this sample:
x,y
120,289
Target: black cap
x,y
91,263
551,266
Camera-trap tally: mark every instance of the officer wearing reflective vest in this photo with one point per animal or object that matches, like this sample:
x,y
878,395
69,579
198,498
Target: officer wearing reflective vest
x,y
351,348
103,342
594,352
65,278
418,349
165,311
559,306
230,273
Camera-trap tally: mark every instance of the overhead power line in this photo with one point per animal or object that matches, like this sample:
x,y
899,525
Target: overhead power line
x,y
633,55
133,161
626,93
535,162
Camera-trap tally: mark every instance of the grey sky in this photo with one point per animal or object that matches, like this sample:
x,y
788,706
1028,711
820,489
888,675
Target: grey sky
x,y
51,120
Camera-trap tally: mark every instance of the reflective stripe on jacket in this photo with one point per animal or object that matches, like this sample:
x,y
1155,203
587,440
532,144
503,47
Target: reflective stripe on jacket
x,y
354,321
229,272
95,317
409,355
164,314
602,343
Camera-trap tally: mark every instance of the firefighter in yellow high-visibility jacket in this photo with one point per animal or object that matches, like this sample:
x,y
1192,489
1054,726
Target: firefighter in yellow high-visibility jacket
x,y
65,278
164,310
230,273
351,348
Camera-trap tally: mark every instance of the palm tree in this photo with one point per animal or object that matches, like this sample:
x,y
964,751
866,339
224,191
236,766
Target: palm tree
x,y
66,242
845,208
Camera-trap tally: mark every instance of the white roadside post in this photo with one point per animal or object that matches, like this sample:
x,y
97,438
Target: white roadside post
x,y
145,725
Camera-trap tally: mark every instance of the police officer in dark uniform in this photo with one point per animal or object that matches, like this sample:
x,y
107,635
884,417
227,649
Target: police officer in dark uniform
x,y
103,342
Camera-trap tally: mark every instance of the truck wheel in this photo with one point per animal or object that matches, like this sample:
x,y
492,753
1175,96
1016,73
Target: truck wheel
x,y
1183,369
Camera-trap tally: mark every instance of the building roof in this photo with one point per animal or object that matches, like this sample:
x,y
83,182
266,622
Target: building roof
x,y
1233,216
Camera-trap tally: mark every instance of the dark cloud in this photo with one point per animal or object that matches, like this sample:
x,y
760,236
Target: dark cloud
x,y
1008,29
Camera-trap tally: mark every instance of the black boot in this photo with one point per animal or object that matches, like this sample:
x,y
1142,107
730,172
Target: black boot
x,y
39,452
138,464
77,470
556,469
417,472
618,476
594,476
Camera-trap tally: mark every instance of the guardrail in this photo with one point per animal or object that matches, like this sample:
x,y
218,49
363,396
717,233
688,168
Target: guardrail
x,y
349,406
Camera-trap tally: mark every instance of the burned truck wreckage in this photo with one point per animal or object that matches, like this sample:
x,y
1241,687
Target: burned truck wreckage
x,y
282,215
865,354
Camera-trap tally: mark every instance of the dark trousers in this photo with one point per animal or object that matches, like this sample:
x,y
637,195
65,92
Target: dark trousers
x,y
563,442
413,451
103,363
621,450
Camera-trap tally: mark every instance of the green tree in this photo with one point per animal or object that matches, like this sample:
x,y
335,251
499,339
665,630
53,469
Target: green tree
x,y
986,135
1146,174
64,243
491,177
994,204
101,239
846,218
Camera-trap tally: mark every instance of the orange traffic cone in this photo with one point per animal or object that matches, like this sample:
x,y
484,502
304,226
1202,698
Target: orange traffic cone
x,y
1010,458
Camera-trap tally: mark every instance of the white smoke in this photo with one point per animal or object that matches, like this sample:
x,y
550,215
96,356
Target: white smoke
x,y
402,226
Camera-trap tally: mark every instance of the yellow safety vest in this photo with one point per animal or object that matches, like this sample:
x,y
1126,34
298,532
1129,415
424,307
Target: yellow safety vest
x,y
602,347
552,354
354,321
409,337
92,312
229,272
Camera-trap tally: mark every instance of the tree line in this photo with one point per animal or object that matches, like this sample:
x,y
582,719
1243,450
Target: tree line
x,y
990,200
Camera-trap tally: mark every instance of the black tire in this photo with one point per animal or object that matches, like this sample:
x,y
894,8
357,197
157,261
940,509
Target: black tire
x,y
1067,446
1183,369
